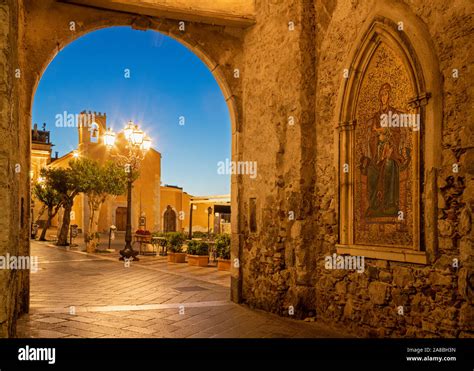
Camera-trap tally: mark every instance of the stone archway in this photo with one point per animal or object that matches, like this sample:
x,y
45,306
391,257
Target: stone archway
x,y
48,26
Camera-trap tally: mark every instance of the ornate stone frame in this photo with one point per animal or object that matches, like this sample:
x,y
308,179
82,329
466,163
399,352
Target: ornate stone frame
x,y
427,99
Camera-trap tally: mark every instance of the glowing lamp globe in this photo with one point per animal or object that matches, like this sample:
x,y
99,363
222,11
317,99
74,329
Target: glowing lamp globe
x,y
109,138
137,137
146,144
128,131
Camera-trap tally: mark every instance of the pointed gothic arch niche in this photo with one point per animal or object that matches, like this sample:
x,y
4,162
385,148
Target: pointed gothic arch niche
x,y
382,125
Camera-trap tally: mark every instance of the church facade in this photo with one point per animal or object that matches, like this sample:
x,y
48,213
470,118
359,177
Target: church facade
x,y
155,207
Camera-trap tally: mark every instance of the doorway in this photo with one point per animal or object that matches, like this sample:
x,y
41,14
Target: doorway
x,y
121,218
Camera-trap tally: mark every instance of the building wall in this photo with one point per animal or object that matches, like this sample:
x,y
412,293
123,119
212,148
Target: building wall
x,y
14,165
77,211
437,298
145,192
283,261
146,188
40,158
180,202
200,217
278,119
175,197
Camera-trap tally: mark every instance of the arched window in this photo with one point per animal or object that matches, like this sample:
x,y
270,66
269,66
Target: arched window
x,y
94,133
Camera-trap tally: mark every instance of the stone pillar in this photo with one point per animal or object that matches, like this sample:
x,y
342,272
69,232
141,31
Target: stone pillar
x,y
14,167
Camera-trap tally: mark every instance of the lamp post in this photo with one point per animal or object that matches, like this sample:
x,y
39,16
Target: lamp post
x,y
137,144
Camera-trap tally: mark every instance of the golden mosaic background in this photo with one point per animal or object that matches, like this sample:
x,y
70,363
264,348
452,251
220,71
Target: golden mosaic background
x,y
385,67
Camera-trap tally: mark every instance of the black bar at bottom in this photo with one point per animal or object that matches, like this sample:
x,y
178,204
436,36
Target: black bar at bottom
x,y
382,353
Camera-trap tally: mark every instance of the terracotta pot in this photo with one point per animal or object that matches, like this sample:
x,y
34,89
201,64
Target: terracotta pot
x,y
198,260
223,264
176,257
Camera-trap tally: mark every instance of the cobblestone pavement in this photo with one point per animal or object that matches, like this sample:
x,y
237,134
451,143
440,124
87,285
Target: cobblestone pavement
x,y
74,294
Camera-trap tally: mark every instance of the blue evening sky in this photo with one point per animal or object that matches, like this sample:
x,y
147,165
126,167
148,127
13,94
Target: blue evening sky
x,y
166,81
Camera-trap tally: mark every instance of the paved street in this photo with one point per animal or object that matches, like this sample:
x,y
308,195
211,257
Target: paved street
x,y
74,294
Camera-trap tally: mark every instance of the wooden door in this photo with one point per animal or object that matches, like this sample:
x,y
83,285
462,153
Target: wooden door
x,y
121,218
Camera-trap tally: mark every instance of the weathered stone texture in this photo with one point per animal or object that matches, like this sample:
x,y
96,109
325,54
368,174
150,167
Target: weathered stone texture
x,y
428,296
278,109
282,79
14,186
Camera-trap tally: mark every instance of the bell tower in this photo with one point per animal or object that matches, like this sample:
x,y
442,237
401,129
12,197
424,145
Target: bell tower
x,y
91,128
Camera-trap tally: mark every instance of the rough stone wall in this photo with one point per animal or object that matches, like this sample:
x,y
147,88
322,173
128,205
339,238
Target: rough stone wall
x,y
14,186
278,109
437,299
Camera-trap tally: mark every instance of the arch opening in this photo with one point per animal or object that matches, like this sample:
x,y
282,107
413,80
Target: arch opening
x,y
112,213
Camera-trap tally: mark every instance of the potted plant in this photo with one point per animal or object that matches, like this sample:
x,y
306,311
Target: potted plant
x,y
198,253
142,235
223,252
199,235
174,243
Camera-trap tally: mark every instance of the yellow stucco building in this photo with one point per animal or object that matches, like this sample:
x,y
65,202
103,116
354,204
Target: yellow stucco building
x,y
161,208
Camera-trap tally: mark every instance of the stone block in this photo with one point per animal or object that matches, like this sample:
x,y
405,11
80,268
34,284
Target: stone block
x,y
372,273
445,228
466,317
403,276
466,250
341,288
465,284
385,277
400,297
468,161
438,279
465,222
348,309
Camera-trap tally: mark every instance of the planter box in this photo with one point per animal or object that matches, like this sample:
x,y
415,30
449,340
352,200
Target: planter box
x,y
198,260
176,257
145,238
223,264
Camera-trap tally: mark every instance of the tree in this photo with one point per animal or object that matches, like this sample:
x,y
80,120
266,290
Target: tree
x,y
51,199
99,182
67,183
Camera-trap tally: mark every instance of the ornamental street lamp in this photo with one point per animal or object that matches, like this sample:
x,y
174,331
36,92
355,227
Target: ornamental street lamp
x,y
137,144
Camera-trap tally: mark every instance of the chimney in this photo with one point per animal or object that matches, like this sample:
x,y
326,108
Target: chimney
x,y
56,155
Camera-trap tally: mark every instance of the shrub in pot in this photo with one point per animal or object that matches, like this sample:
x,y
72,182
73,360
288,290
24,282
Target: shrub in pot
x,y
199,234
174,243
223,252
198,253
